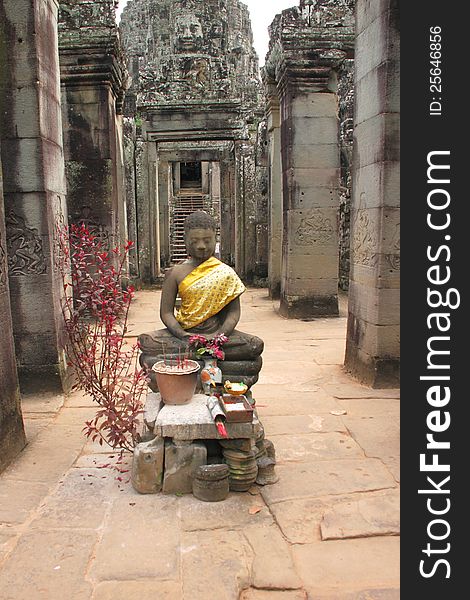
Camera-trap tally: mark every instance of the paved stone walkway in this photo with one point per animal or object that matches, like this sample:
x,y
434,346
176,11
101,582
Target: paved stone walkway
x,y
73,528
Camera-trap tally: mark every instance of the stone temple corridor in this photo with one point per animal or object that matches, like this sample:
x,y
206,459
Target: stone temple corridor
x,y
73,527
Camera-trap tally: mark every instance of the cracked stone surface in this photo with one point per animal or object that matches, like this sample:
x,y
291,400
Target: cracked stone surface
x,y
72,521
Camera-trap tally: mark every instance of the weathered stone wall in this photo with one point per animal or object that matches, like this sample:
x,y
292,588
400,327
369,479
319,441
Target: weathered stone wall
x,y
93,76
346,119
34,183
12,437
373,351
308,47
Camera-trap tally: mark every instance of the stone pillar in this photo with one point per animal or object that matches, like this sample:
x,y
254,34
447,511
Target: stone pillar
x,y
245,210
227,210
34,182
92,74
308,46
12,437
274,192
372,349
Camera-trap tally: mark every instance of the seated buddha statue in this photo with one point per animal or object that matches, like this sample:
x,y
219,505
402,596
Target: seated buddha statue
x,y
210,305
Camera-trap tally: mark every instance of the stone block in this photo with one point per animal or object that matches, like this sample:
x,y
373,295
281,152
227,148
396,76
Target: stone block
x,y
153,405
367,12
375,45
147,466
314,130
193,421
312,156
320,177
375,371
296,304
22,165
315,105
379,340
300,291
311,195
378,139
378,91
377,270
380,306
377,184
308,268
181,460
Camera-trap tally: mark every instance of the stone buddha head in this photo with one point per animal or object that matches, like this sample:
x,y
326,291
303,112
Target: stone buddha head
x,y
188,33
200,235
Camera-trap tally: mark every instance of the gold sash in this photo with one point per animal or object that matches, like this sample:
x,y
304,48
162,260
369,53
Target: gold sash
x,y
206,291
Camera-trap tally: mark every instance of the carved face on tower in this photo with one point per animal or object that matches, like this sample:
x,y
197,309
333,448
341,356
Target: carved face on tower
x,y
189,35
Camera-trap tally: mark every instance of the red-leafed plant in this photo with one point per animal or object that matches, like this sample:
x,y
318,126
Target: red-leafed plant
x,y
95,307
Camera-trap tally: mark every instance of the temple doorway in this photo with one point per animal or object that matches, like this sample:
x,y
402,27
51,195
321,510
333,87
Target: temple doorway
x,y
195,185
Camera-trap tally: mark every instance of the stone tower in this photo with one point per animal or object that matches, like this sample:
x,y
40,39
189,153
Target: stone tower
x,y
196,99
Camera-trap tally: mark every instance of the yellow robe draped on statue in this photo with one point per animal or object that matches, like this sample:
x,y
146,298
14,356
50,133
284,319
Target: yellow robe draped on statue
x,y
206,291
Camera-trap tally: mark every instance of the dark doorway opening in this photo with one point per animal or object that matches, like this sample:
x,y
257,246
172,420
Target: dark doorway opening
x,y
191,175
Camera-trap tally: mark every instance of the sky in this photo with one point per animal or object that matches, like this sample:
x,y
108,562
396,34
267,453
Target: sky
x,y
262,14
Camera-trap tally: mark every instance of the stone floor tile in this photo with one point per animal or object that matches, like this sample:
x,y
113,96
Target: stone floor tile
x,y
272,400
304,480
315,446
232,513
254,594
360,407
141,539
272,562
215,565
41,403
8,536
35,423
364,517
379,436
300,519
48,457
297,424
138,590
356,390
369,594
341,564
79,501
19,498
46,565
281,372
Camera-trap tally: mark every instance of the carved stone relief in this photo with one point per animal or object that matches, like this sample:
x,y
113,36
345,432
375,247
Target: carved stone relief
x,y
393,258
24,247
365,243
92,224
314,228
